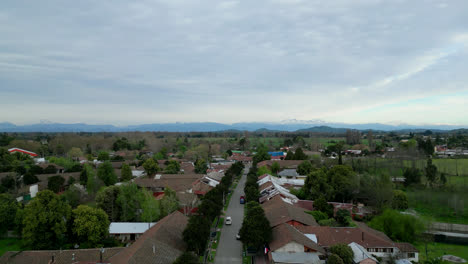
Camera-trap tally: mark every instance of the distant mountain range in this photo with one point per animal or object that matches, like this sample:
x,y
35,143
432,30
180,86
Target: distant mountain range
x,y
316,126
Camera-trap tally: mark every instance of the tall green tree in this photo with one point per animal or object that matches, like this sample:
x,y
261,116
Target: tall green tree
x,y
106,199
344,252
344,181
170,202
55,183
300,155
397,226
91,182
304,168
196,233
400,200
103,156
8,209
45,221
106,173
334,259
90,225
255,230
173,167
289,155
431,172
151,167
126,173
187,258
151,208
200,166
275,167
261,155
412,176
130,200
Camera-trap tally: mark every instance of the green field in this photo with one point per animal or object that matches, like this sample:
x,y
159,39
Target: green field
x,y
9,244
436,250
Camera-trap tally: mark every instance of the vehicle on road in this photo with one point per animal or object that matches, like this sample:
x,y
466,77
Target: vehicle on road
x,y
242,200
228,220
238,236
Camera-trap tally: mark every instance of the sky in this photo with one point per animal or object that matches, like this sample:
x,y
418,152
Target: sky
x,y
135,62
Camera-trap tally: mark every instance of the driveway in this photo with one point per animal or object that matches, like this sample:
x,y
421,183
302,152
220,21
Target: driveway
x,y
229,248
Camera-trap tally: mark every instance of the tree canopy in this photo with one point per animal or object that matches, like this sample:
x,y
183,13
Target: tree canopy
x,y
255,230
45,221
106,173
90,225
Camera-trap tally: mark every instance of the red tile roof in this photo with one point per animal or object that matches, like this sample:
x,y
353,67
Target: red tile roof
x,y
284,234
278,212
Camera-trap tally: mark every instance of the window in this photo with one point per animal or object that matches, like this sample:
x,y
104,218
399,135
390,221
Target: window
x,y
411,255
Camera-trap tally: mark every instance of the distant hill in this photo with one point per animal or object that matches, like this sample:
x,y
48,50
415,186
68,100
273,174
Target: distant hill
x,y
289,126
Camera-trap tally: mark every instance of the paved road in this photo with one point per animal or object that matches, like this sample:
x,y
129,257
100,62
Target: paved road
x,y
229,248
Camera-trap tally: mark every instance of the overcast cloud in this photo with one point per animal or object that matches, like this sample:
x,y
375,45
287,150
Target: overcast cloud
x,y
132,62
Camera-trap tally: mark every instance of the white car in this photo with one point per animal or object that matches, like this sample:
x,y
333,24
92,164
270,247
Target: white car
x,y
228,220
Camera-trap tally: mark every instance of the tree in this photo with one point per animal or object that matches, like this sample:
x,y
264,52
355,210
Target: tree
x,y
316,185
151,167
90,225
343,217
275,167
344,252
243,142
126,173
130,200
103,156
251,193
261,155
304,168
173,167
397,226
344,181
91,184
30,178
299,154
196,233
8,209
255,230
72,196
84,176
334,259
186,258
431,172
55,183
75,153
106,173
400,200
321,204
412,176
289,155
200,166
169,202
151,209
376,191
263,170
50,169
45,221
106,199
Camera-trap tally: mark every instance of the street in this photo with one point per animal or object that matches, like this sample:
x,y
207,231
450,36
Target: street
x,y
230,249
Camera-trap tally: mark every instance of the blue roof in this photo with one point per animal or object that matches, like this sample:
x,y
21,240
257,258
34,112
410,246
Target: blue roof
x,y
274,154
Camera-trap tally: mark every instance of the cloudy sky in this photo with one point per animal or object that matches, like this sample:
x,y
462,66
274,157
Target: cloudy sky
x,y
131,62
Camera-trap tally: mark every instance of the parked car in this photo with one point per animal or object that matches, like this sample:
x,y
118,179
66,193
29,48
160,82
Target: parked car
x,y
228,220
238,236
242,200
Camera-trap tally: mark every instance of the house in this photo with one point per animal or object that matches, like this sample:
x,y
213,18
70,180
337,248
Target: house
x,y
278,211
125,232
291,174
204,185
353,209
18,150
278,155
89,256
177,182
360,254
270,187
376,243
161,244
291,246
285,164
242,157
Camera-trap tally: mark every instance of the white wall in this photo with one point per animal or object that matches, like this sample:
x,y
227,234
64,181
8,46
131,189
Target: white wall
x,y
291,247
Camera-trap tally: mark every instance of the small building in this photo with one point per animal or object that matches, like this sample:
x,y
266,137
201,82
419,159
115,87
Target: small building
x,y
126,232
18,150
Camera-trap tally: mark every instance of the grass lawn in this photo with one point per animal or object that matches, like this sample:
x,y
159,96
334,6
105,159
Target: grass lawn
x,y
439,249
221,222
9,244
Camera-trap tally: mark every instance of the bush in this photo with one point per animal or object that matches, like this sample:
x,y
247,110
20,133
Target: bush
x,y
400,200
318,215
328,222
397,226
344,252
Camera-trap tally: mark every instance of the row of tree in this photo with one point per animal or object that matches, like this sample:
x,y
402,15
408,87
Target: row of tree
x,y
197,232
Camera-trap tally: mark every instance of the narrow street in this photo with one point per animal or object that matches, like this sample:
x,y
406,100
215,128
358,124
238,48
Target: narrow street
x,y
230,249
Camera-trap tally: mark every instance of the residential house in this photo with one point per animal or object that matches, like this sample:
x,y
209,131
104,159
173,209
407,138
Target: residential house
x,y
204,185
270,186
161,244
353,209
177,182
126,232
284,164
291,246
291,174
376,243
279,211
